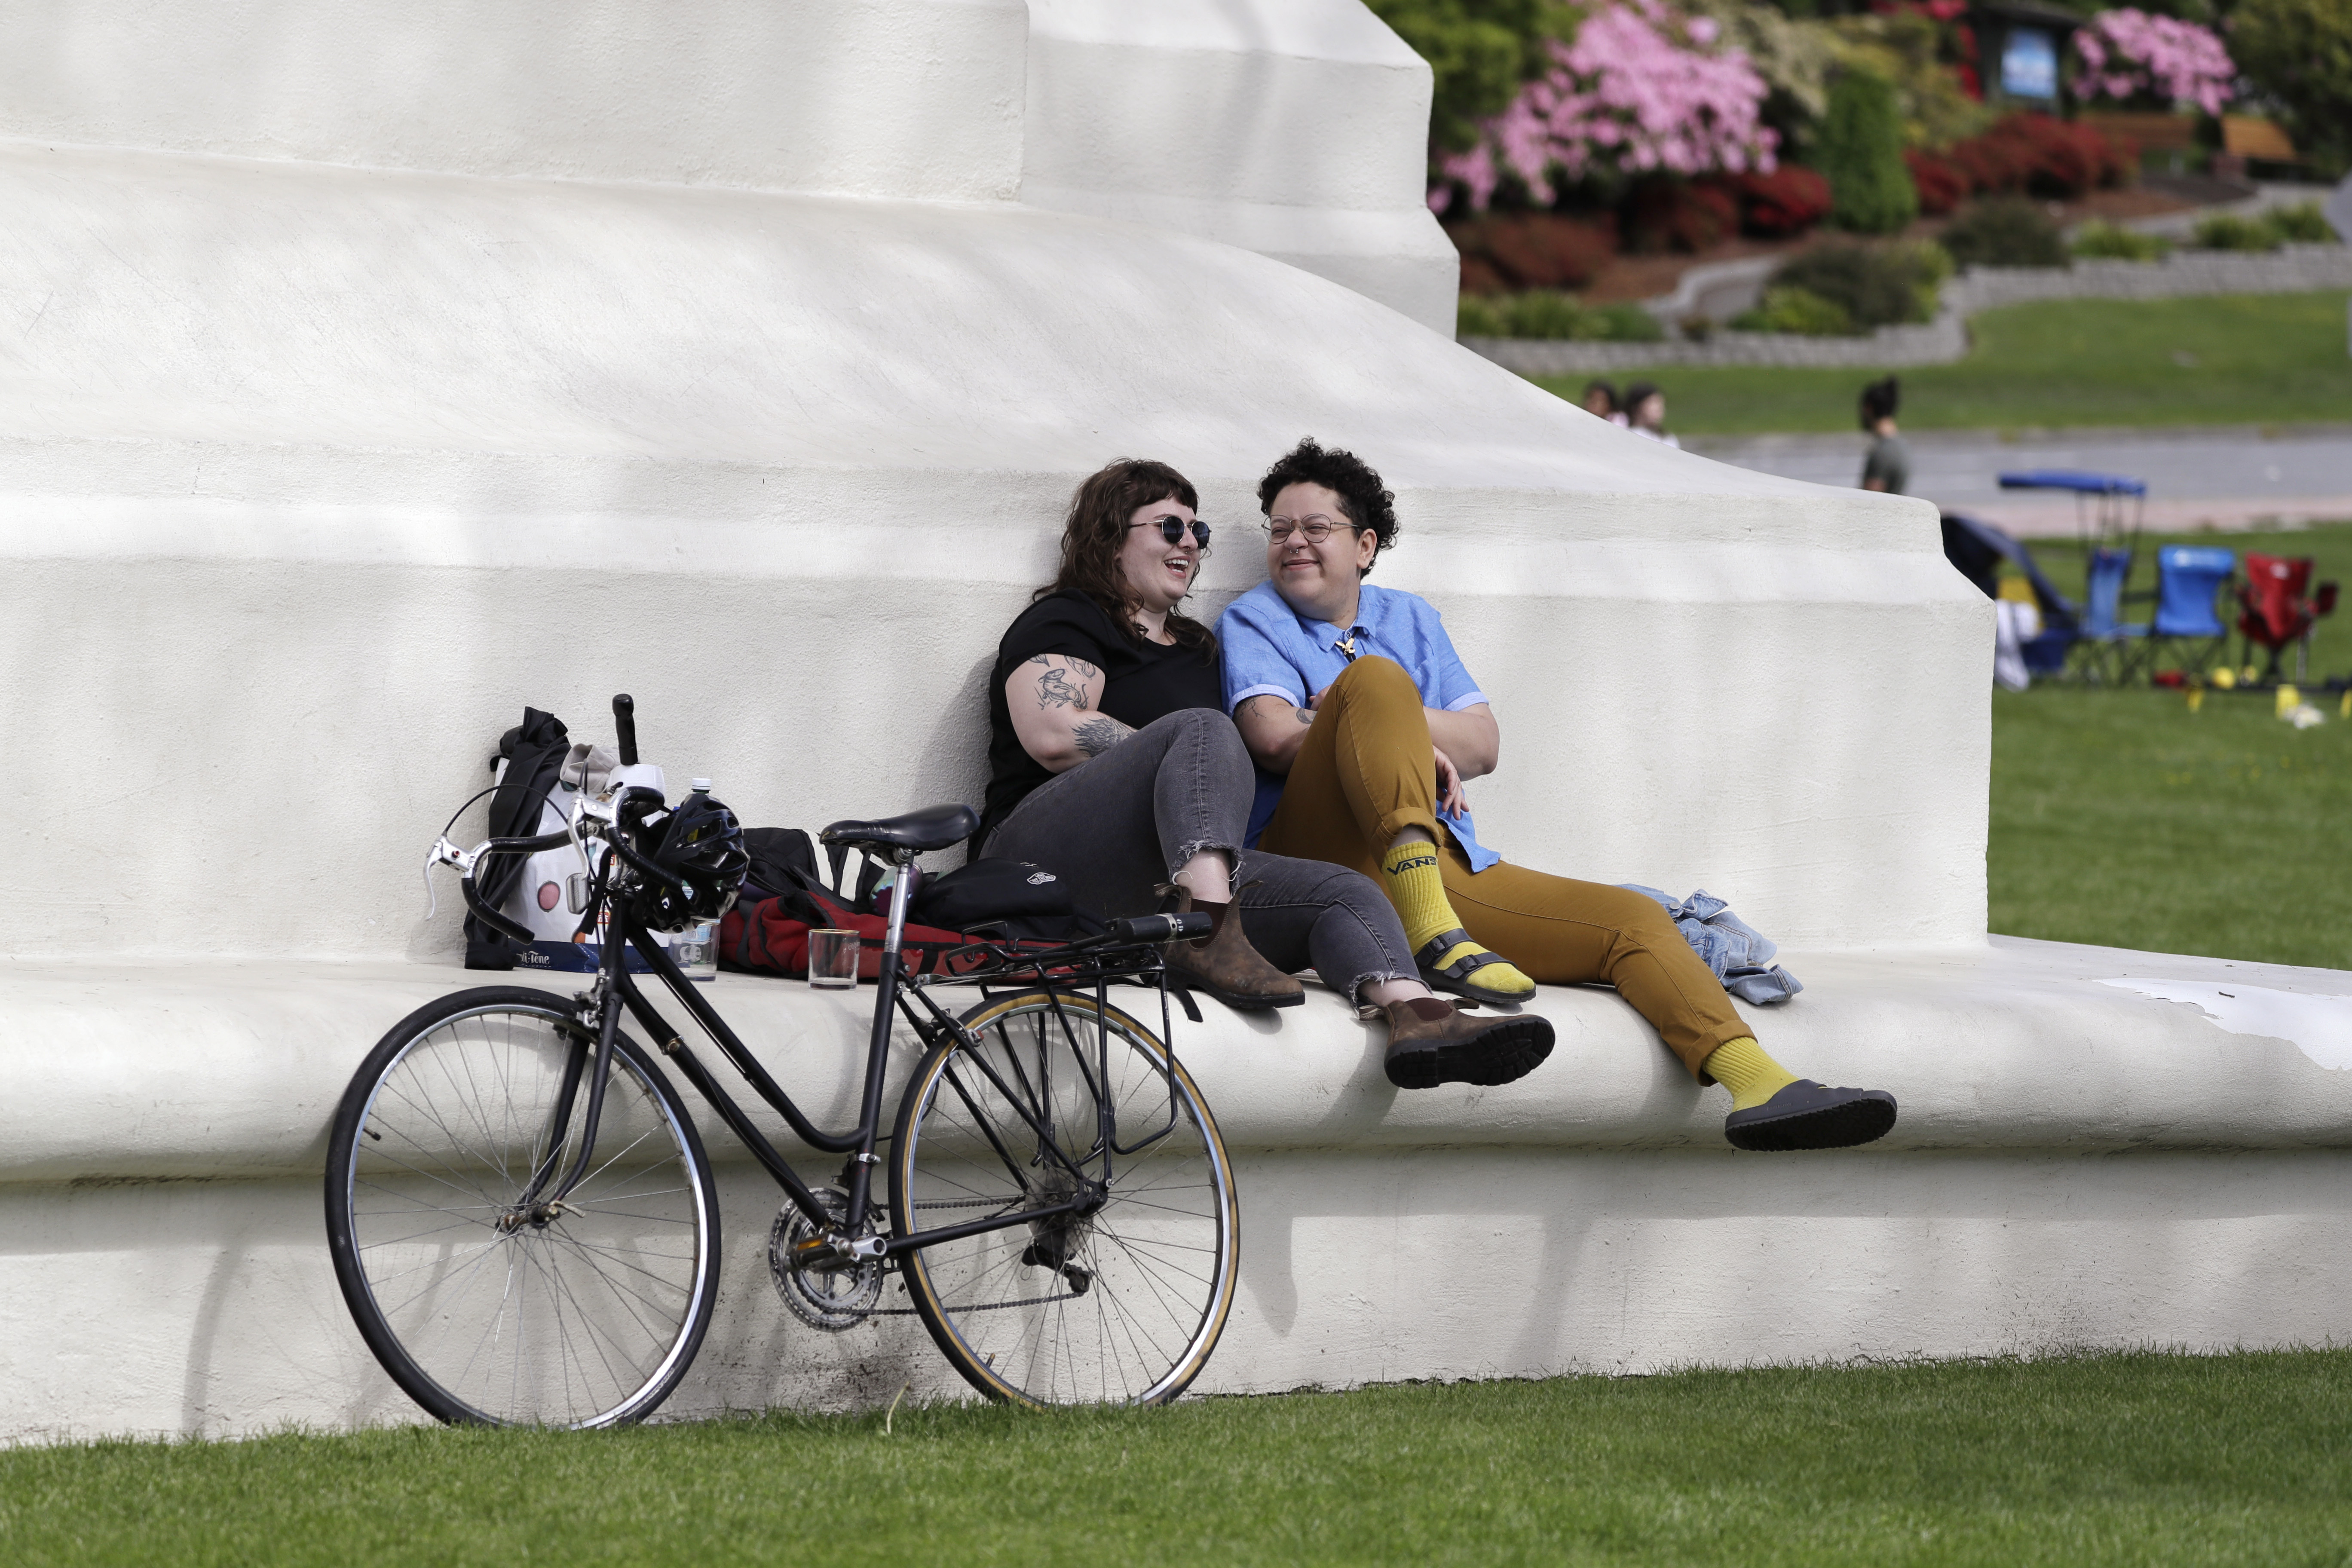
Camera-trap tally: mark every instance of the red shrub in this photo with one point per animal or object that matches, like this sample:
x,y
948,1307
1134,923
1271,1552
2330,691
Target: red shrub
x,y
1940,183
1790,200
2037,154
1989,162
1503,251
1479,277
1668,214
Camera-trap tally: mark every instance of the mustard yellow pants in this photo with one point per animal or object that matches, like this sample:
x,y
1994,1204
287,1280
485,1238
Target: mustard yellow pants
x,y
1366,772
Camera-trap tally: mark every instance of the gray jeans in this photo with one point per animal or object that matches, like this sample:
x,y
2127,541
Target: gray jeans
x,y
1118,826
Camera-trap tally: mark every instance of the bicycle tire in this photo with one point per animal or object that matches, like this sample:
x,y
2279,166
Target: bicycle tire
x,y
1155,1265
586,1318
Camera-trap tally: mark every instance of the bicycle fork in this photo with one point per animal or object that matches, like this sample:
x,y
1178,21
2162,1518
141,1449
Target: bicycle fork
x,y
533,1208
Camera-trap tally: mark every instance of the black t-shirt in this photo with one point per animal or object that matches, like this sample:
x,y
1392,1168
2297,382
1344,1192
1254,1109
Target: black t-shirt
x,y
1141,681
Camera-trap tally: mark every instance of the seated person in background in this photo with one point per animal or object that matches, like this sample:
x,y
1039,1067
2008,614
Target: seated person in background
x,y
1888,466
1601,402
1113,765
1645,409
1365,723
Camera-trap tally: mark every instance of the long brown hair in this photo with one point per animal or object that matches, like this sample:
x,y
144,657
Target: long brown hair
x,y
1095,533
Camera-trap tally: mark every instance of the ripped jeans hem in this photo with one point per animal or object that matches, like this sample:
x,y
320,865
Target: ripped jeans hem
x,y
1355,990
1188,852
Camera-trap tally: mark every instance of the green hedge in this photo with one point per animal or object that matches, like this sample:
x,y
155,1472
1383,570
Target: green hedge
x,y
1542,314
2005,231
1860,154
2103,241
1846,288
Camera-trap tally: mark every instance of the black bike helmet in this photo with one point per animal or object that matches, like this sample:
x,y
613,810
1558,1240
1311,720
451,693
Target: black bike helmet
x,y
700,843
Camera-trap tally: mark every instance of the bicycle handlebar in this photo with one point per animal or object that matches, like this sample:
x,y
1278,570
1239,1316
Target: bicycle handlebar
x,y
633,803
555,840
489,916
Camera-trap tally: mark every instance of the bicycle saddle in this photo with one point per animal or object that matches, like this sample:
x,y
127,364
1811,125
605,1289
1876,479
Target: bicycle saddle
x,y
933,827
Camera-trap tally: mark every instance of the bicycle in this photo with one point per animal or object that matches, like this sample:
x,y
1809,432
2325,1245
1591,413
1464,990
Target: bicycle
x,y
525,1223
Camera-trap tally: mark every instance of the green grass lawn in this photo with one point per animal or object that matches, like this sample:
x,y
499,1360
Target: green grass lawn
x,y
2234,359
2124,1459
2121,817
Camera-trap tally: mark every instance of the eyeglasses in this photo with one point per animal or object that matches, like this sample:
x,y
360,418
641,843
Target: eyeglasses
x,y
1314,528
1172,529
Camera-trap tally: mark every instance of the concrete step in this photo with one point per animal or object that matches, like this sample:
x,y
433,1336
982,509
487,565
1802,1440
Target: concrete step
x,y
231,1070
2097,1147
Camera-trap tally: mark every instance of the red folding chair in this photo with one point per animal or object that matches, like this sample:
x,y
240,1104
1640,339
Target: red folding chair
x,y
2278,606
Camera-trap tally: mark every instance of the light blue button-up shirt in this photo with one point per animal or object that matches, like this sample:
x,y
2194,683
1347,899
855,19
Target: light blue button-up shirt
x,y
1271,650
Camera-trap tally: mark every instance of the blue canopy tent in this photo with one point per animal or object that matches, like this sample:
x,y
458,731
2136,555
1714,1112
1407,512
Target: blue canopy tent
x,y
2109,509
1977,549
2098,499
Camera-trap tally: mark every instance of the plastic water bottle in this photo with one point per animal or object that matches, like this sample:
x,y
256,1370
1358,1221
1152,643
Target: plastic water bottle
x,y
695,949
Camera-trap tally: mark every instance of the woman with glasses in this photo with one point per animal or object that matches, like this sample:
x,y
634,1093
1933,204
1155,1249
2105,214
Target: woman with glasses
x,y
1113,765
1354,704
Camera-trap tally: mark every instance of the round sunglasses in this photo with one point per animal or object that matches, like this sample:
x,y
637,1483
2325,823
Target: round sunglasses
x,y
1173,530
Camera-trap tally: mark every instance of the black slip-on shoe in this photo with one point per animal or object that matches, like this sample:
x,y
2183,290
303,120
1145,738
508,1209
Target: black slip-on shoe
x,y
1808,1115
1432,1042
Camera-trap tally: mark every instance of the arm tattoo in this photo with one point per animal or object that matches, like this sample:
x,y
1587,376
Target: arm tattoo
x,y
1096,736
1304,715
1056,689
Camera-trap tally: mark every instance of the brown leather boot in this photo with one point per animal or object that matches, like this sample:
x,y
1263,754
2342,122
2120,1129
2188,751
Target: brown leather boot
x,y
1225,964
1432,1041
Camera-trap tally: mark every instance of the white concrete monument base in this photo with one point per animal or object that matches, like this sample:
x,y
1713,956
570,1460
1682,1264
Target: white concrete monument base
x,y
2081,1161
369,370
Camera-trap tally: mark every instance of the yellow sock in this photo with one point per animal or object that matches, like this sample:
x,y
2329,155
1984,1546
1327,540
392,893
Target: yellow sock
x,y
1741,1067
1410,877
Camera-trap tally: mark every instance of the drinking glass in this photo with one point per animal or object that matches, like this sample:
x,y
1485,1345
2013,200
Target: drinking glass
x,y
832,958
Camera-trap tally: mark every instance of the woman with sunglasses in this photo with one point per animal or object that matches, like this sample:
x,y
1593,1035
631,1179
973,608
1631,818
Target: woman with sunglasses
x,y
1113,765
1353,702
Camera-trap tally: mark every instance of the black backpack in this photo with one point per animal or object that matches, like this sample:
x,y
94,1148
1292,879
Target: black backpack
x,y
1026,900
533,752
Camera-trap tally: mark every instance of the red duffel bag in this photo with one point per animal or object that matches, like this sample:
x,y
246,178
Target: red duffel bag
x,y
769,936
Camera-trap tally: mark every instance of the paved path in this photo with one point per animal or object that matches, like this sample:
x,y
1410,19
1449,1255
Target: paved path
x,y
2228,476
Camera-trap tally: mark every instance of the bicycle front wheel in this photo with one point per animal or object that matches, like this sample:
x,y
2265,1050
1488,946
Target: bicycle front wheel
x,y
1119,1302
484,1307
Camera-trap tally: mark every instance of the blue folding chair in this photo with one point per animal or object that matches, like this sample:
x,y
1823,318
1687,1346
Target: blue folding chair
x,y
2189,580
2108,647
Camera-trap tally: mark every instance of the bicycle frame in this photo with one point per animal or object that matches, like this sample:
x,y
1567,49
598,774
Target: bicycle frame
x,y
617,991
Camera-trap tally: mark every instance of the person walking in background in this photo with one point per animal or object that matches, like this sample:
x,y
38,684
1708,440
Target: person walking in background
x,y
1601,402
1645,410
1888,466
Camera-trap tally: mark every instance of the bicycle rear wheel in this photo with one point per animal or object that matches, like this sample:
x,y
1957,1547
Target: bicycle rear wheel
x,y
482,1310
1119,1304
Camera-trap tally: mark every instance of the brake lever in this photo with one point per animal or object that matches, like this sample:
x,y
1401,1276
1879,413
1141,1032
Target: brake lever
x,y
444,853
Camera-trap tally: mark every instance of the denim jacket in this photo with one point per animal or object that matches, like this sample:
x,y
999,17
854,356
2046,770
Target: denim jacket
x,y
1740,955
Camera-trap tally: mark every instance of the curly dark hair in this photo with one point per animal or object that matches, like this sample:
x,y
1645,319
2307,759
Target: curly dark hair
x,y
1095,531
1367,502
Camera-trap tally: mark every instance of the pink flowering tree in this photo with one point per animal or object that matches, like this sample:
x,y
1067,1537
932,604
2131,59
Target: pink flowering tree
x,y
1644,89
2160,61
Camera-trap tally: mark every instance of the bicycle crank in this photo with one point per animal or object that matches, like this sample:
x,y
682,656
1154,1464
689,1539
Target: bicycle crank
x,y
820,1287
